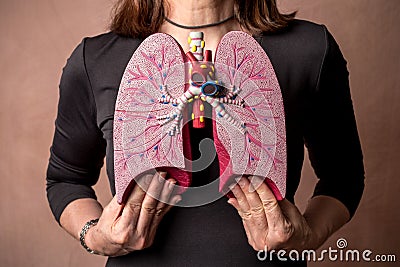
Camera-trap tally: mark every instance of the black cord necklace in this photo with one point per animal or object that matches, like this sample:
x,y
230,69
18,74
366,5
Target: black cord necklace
x,y
199,26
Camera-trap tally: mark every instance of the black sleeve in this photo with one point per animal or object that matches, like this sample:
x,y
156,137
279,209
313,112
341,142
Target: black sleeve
x,y
331,133
78,149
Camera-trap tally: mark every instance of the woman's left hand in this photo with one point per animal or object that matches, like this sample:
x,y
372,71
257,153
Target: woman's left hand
x,y
270,224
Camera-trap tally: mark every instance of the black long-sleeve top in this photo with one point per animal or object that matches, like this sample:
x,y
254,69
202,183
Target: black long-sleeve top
x,y
313,77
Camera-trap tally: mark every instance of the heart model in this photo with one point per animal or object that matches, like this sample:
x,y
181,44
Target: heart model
x,y
163,90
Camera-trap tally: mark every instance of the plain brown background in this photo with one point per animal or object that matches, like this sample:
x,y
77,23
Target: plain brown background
x,y
37,37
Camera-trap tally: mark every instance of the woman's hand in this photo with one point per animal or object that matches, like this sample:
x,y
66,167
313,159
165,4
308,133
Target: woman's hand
x,y
125,228
270,224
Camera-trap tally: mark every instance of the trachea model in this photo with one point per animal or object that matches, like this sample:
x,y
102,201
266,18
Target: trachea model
x,y
163,89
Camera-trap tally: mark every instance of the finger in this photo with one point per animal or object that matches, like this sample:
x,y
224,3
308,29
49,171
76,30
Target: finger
x,y
164,199
279,228
131,209
235,204
150,202
243,206
165,208
175,199
156,220
275,217
143,182
255,182
247,229
233,201
253,199
166,192
112,211
257,225
250,238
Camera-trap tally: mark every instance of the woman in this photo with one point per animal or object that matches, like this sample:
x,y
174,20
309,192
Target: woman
x,y
314,82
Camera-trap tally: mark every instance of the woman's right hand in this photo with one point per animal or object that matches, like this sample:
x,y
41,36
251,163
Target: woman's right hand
x,y
124,228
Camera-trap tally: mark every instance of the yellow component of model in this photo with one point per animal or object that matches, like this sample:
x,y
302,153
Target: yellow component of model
x,y
196,97
192,116
201,107
189,40
194,48
201,118
203,66
212,68
190,100
203,44
211,73
203,98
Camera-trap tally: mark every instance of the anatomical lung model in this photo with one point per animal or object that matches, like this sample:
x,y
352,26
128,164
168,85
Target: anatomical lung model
x,y
163,90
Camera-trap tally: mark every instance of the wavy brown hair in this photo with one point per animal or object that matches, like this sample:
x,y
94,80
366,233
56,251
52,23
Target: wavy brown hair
x,y
140,18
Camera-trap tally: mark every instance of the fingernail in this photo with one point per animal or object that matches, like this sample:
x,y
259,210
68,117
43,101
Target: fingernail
x,y
232,186
257,179
161,176
240,181
177,200
171,184
251,188
146,180
255,182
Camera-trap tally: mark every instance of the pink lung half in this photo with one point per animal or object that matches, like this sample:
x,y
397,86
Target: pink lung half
x,y
240,62
141,144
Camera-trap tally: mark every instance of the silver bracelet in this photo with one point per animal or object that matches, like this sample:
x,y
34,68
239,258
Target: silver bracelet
x,y
82,235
